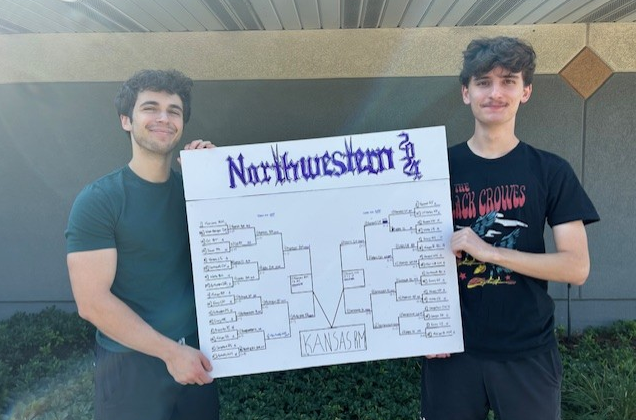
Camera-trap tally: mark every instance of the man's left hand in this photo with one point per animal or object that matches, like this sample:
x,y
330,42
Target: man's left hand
x,y
197,144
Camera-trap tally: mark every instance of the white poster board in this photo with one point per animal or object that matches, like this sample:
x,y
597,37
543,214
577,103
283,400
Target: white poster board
x,y
325,251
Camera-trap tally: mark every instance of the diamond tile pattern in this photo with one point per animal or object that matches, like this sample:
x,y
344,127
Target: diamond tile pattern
x,y
586,72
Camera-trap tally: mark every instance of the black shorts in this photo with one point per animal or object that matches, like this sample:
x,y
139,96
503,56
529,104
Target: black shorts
x,y
463,387
133,386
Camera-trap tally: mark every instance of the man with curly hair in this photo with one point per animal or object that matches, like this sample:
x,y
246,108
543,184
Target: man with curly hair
x,y
130,270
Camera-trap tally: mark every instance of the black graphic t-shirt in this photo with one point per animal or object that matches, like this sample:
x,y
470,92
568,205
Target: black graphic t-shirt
x,y
507,202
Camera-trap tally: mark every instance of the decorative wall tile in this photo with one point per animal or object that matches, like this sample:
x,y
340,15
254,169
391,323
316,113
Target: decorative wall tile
x,y
586,72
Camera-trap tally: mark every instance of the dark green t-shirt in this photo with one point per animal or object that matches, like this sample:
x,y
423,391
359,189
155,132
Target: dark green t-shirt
x,y
146,223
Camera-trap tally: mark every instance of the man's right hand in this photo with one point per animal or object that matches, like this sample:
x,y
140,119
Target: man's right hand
x,y
188,365
438,356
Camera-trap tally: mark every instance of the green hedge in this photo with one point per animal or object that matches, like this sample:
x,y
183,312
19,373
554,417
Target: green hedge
x,y
46,373
600,373
35,346
373,390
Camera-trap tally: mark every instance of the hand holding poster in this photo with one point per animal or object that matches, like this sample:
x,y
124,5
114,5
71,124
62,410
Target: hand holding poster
x,y
324,251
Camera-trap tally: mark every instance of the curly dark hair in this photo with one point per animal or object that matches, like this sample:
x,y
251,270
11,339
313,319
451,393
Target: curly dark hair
x,y
512,54
170,81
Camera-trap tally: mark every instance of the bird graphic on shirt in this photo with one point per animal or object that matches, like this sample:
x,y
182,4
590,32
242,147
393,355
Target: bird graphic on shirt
x,y
483,228
508,242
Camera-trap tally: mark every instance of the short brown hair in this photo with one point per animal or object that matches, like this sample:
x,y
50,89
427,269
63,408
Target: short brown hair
x,y
512,54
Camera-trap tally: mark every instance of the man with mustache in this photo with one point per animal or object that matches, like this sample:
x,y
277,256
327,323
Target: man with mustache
x,y
504,192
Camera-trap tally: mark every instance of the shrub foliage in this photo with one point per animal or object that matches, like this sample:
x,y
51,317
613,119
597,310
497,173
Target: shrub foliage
x,y
35,346
599,380
600,373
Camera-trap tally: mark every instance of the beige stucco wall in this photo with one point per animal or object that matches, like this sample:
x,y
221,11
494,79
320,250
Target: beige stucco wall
x,y
313,54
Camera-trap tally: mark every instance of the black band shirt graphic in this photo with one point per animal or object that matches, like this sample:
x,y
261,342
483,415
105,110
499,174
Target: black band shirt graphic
x,y
492,228
507,202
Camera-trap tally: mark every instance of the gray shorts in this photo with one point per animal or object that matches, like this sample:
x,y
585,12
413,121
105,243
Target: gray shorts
x,y
463,387
133,386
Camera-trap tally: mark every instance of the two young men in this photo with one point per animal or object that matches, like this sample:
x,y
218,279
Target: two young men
x,y
130,269
503,193
129,265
